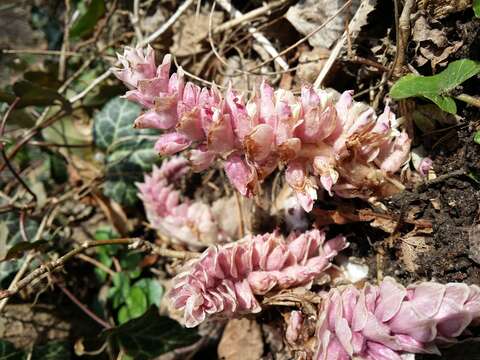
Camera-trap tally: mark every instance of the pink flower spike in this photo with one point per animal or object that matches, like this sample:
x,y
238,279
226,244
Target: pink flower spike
x,y
226,280
388,321
187,222
343,146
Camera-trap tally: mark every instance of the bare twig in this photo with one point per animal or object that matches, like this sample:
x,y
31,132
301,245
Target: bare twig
x,y
240,18
23,269
83,307
135,19
337,48
135,243
40,52
403,33
306,37
4,155
166,25
66,42
92,85
96,263
258,36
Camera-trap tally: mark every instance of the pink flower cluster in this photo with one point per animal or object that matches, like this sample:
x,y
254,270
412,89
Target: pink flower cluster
x,y
225,280
338,145
190,223
383,322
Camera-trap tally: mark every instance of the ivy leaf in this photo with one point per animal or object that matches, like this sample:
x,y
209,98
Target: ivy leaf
x,y
114,122
129,151
9,352
85,24
11,223
136,302
124,193
33,94
476,8
152,289
437,87
151,335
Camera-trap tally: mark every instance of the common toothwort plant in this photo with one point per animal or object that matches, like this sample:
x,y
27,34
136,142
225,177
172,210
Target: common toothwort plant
x,y
384,322
335,144
192,223
225,280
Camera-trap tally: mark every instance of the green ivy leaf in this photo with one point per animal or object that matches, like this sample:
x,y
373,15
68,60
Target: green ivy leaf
x,y
476,8
151,335
437,87
123,192
115,122
85,24
152,289
9,352
10,222
129,151
136,302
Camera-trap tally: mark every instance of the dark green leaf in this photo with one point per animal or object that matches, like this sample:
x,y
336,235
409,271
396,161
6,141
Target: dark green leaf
x,y
85,24
136,302
53,350
58,168
114,122
42,78
8,351
152,289
151,335
476,8
33,94
19,249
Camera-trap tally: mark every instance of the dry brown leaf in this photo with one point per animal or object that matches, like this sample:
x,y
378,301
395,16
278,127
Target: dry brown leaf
x,y
310,64
114,212
241,340
413,244
441,8
432,42
189,32
307,15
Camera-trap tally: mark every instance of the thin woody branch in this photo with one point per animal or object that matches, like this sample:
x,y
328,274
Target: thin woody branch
x,y
133,243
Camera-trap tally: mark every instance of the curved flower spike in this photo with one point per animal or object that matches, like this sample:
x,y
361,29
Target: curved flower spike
x,y
225,280
387,321
324,141
191,223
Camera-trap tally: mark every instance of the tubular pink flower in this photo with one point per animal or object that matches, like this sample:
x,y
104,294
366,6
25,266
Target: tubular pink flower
x,y
225,280
187,222
386,321
344,148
